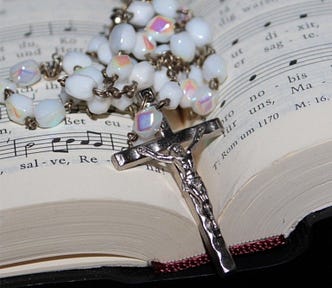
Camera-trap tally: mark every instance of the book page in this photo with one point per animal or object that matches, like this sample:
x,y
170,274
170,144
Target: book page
x,y
35,31
277,98
71,163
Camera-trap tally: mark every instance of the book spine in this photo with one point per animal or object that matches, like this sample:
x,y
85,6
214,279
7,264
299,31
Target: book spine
x,y
240,249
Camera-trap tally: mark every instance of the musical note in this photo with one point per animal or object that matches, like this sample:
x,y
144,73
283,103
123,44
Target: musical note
x,y
27,147
14,146
267,24
61,150
97,143
293,62
105,31
253,77
70,27
112,142
29,33
303,15
50,28
235,42
222,104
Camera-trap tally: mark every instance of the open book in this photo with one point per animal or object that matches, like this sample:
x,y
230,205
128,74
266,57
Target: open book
x,y
64,206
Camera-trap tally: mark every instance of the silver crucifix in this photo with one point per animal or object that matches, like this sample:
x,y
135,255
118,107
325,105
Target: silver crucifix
x,y
169,148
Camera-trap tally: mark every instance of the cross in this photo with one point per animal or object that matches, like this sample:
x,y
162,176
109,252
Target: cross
x,y
169,148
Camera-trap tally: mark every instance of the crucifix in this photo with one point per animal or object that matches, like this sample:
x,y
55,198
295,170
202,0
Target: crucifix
x,y
170,148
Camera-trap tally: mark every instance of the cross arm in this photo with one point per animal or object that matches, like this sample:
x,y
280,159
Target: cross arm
x,y
131,157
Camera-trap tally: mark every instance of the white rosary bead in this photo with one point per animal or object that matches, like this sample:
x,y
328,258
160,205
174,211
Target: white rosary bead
x,y
65,97
74,59
104,53
214,67
122,103
99,105
6,84
166,7
98,66
147,122
80,86
161,49
173,92
93,73
120,65
160,78
143,74
144,45
189,87
196,74
49,113
161,28
200,31
95,43
25,73
122,38
142,12
19,107
204,101
183,46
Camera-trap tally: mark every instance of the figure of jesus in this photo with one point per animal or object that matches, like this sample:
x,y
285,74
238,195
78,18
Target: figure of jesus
x,y
194,188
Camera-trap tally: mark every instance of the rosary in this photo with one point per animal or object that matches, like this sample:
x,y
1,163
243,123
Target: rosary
x,y
156,56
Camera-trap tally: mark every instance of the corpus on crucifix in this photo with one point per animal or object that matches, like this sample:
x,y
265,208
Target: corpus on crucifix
x,y
169,147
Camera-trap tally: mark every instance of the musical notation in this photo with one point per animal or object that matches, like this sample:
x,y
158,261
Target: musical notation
x,y
276,17
42,29
29,33
303,15
252,77
274,67
64,142
292,62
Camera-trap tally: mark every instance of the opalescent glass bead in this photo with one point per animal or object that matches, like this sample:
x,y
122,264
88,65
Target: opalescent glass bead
x,y
49,113
166,7
147,122
189,87
104,53
200,31
204,101
19,107
121,65
98,105
93,73
214,67
196,74
144,45
183,46
160,78
25,73
80,86
161,49
143,74
142,12
74,59
160,28
122,38
95,43
173,92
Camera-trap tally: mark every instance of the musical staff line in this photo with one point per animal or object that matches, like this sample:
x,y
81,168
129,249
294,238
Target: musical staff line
x,y
277,17
276,66
40,29
61,143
